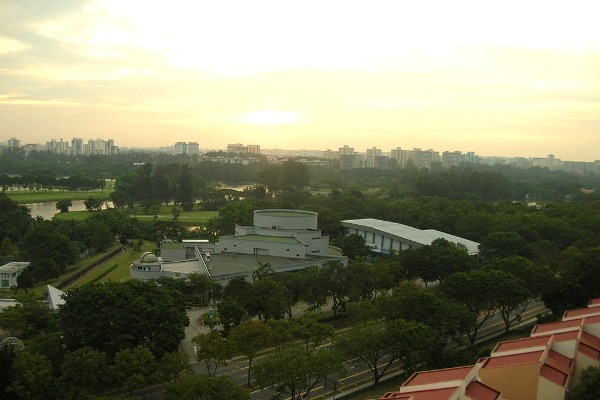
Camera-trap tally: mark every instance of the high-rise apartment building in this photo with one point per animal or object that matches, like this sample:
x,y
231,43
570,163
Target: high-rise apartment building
x,y
187,148
77,146
13,143
253,149
348,158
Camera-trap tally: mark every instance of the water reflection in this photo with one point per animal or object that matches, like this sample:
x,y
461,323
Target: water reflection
x,y
48,209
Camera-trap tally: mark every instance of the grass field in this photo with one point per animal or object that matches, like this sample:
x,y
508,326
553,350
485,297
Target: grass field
x,y
27,197
115,269
189,218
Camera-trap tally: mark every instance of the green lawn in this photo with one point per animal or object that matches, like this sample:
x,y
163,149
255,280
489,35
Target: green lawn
x,y
189,218
27,197
108,271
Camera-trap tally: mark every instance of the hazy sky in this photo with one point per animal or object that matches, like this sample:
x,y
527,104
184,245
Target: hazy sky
x,y
506,78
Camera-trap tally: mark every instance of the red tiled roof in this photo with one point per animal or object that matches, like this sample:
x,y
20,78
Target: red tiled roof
x,y
396,396
589,351
553,375
594,302
555,326
560,358
513,359
593,319
581,312
438,375
522,344
433,394
564,336
478,391
591,340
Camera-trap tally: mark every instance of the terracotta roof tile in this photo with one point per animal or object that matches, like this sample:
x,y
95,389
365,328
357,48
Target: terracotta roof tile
x,y
560,358
594,302
438,375
591,340
581,312
589,351
513,359
556,326
553,375
479,391
435,394
522,344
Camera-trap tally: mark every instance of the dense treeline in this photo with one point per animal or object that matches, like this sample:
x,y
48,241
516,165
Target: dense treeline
x,y
467,182
546,250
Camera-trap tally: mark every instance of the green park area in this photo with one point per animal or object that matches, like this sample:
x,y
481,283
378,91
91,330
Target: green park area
x,y
30,196
185,218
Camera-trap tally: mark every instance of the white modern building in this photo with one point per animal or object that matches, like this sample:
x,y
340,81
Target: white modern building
x,y
288,240
281,233
383,236
10,272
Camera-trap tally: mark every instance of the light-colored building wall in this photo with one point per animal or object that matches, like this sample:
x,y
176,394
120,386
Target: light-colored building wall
x,y
285,219
548,390
9,273
244,245
253,149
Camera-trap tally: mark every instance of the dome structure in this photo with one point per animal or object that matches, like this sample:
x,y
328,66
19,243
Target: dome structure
x,y
148,257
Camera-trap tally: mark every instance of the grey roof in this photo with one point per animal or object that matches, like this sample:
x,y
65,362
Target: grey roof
x,y
14,266
401,231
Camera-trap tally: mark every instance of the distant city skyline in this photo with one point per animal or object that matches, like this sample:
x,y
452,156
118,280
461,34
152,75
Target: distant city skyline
x,y
75,146
508,78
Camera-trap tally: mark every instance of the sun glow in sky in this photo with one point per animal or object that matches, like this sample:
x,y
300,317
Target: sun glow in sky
x,y
513,78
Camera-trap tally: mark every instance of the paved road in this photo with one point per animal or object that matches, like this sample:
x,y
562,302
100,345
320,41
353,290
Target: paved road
x,y
354,377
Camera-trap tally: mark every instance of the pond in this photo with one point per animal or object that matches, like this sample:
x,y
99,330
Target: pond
x,y
47,209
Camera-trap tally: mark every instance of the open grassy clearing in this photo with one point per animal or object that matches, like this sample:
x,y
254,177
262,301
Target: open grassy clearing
x,y
27,197
189,218
115,269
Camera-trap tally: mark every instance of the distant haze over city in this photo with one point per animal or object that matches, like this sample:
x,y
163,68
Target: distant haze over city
x,y
507,78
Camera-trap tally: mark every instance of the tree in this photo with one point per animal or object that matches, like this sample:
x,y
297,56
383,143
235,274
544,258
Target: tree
x,y
314,293
262,271
137,313
154,210
82,373
502,244
295,372
206,387
311,332
336,282
33,377
8,249
48,249
588,386
93,204
231,314
29,316
172,366
353,246
176,211
378,346
270,299
476,290
213,350
411,302
248,338
133,367
9,348
63,205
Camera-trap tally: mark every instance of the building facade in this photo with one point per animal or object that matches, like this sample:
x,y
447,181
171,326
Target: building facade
x,y
10,272
384,236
